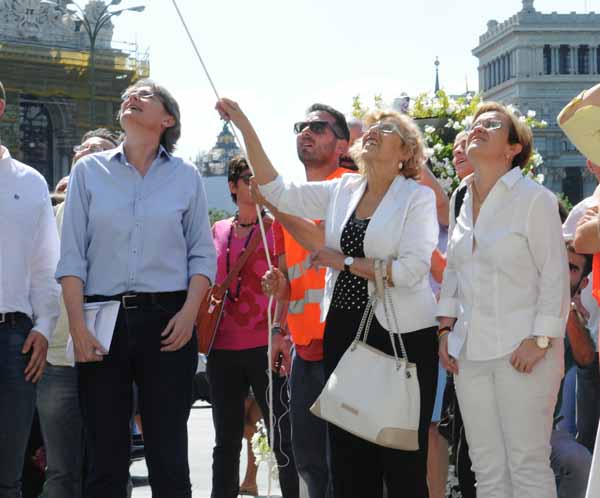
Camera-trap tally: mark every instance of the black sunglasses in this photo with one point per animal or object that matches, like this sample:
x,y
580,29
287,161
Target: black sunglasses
x,y
246,178
317,127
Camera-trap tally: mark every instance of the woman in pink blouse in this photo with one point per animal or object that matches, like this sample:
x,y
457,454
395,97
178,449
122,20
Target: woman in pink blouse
x,y
238,359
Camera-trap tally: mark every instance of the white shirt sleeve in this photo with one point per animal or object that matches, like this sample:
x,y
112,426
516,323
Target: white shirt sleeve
x,y
549,254
306,199
45,292
570,225
448,304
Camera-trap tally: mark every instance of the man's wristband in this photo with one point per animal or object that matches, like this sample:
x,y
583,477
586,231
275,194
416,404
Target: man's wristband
x,y
276,329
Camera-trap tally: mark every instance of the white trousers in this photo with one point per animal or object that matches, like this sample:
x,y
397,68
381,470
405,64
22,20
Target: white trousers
x,y
508,420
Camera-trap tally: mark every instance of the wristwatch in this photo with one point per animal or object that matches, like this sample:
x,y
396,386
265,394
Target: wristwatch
x,y
542,341
276,329
348,262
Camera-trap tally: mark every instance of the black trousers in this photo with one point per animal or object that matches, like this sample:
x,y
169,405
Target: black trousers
x,y
230,374
164,381
359,468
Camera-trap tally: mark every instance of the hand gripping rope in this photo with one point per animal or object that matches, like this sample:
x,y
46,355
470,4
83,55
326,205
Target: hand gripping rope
x,y
266,247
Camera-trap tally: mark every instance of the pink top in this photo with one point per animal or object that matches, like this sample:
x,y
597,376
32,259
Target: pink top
x,y
243,324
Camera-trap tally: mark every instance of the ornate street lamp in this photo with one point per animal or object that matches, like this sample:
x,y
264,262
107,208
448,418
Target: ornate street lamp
x,y
92,27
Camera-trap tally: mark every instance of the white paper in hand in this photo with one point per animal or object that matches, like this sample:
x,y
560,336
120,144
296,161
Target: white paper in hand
x,y
100,319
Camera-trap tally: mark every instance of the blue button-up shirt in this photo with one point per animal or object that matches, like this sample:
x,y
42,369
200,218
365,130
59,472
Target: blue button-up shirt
x,y
126,232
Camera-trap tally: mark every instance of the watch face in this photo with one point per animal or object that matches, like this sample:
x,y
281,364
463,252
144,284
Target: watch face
x,y
348,261
542,342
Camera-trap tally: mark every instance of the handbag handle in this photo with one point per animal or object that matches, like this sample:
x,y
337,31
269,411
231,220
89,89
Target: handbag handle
x,y
220,289
381,287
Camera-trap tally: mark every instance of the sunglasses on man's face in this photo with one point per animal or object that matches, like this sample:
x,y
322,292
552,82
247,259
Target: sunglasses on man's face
x,y
317,127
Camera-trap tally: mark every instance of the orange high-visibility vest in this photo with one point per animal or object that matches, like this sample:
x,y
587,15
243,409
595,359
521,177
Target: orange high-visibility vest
x,y
306,289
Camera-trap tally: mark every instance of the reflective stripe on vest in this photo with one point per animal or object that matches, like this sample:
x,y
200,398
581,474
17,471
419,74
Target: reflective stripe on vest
x,y
299,269
311,296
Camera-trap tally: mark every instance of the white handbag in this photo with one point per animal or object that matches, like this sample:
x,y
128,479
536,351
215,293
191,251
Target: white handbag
x,y
371,394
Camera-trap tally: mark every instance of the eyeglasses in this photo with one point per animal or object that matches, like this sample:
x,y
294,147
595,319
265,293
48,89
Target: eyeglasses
x,y
386,129
317,127
90,148
246,178
488,124
140,94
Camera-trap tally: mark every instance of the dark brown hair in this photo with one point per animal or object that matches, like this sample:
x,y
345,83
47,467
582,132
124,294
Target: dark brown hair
x,y
235,169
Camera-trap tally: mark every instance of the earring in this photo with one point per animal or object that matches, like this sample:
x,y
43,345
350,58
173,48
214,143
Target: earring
x,y
401,165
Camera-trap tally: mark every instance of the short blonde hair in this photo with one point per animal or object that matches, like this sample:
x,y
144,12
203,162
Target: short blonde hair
x,y
412,139
519,131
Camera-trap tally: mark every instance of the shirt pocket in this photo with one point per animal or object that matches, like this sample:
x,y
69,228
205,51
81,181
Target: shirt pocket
x,y
19,214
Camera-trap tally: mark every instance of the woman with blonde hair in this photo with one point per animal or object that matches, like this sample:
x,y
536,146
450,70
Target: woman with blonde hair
x,y
379,213
503,310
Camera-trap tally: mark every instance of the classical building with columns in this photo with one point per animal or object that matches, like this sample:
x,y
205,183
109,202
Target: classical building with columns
x,y
540,61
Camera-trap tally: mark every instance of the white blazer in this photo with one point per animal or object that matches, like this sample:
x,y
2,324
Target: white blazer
x,y
404,226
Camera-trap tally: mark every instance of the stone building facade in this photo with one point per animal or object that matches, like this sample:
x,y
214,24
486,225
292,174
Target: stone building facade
x,y
540,61
45,68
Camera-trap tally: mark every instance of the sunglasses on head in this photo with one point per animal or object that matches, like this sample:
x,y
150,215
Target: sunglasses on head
x,y
317,127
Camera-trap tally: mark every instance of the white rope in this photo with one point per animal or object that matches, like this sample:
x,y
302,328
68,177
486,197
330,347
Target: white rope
x,y
265,245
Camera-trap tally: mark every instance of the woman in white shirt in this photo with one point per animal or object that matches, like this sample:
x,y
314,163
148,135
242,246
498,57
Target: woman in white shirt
x,y
380,213
503,309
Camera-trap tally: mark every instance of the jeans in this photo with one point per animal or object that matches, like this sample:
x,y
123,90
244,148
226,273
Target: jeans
x,y
62,429
165,382
17,404
310,440
588,404
568,409
571,464
230,374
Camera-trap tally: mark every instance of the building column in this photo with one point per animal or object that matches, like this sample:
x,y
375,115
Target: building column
x,y
480,77
593,59
573,60
539,61
496,72
554,60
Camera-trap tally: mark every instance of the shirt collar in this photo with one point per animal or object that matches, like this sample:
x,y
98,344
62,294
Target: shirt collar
x,y
510,178
120,152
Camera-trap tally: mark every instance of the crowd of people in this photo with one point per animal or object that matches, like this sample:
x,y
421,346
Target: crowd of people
x,y
491,296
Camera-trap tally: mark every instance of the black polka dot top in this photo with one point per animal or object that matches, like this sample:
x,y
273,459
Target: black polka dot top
x,y
351,291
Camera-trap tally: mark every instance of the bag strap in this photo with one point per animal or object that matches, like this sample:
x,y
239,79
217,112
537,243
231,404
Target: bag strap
x,y
367,318
458,201
220,289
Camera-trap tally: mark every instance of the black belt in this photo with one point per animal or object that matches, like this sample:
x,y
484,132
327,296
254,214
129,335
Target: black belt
x,y
136,300
12,317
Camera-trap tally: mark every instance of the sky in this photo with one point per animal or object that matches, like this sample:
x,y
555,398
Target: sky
x,y
276,57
